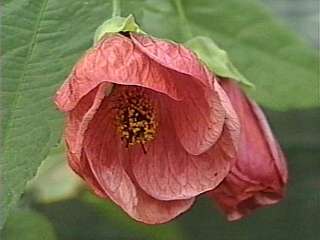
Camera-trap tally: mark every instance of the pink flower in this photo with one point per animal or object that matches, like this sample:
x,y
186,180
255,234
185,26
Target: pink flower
x,y
260,173
147,125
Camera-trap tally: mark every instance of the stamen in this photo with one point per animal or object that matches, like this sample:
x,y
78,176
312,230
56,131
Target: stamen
x,y
136,117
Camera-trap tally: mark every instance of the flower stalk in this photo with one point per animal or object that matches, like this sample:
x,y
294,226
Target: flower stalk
x,y
116,9
183,20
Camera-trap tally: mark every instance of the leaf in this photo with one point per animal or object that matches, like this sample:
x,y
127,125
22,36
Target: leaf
x,y
216,59
42,39
27,225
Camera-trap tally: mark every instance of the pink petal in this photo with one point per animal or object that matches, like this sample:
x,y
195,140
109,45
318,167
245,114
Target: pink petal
x,y
275,149
198,118
108,160
232,121
114,60
258,147
173,56
259,174
238,198
76,125
168,172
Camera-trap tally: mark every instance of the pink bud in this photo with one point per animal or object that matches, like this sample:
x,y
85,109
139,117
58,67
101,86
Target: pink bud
x,y
259,175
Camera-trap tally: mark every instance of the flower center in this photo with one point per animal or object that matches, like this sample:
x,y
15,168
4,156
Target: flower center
x,y
136,117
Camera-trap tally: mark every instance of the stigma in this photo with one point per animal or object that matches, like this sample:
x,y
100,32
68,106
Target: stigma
x,y
136,117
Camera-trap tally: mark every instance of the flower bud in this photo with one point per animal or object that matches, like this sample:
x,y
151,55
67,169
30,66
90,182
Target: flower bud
x,y
259,175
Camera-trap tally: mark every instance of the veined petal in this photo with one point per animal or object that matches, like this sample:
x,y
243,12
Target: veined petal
x,y
108,160
114,60
168,172
199,118
232,121
153,211
76,125
173,56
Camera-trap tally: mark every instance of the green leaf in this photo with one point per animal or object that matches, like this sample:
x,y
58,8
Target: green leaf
x,y
41,40
117,24
27,225
216,59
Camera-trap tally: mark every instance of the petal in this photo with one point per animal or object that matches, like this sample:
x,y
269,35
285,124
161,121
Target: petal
x,y
152,211
238,198
114,60
199,118
87,175
275,149
232,122
108,160
78,120
173,56
259,174
76,124
168,172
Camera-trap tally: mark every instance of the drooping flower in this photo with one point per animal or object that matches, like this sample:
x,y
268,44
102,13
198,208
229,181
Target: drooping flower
x,y
148,126
259,175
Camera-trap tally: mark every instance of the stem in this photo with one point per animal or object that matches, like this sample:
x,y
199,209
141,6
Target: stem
x,y
183,20
116,10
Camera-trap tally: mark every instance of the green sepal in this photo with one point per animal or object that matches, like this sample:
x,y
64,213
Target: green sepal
x,y
216,59
115,25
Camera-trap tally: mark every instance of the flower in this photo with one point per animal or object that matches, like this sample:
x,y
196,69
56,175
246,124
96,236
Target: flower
x,y
147,125
260,174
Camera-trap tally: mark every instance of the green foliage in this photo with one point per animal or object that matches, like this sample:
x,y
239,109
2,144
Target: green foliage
x,y
42,39
216,59
27,225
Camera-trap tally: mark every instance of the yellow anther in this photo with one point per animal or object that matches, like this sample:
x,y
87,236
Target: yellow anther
x,y
136,117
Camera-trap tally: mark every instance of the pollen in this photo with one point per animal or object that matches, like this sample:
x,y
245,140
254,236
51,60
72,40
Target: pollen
x,y
136,117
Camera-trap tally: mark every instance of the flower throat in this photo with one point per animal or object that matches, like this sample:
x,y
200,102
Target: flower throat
x,y
136,118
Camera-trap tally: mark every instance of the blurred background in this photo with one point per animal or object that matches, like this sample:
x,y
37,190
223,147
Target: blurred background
x,y
57,206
